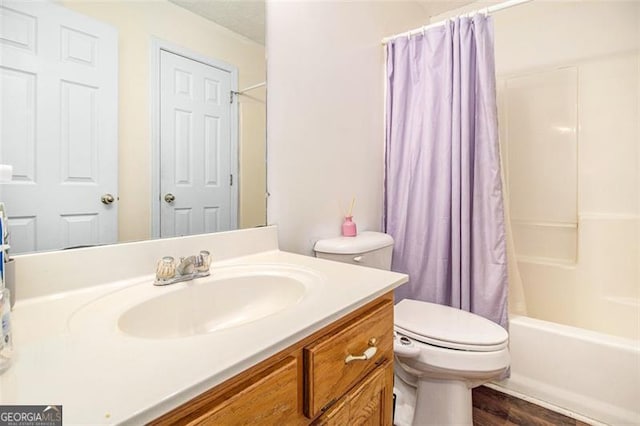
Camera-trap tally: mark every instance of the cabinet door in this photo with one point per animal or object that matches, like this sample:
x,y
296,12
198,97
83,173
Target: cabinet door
x,y
369,403
271,399
337,415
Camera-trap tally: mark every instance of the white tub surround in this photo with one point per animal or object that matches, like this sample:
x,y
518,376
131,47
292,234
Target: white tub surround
x,y
70,351
574,371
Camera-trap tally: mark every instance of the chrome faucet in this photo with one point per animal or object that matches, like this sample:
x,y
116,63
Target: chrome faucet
x,y
186,265
191,267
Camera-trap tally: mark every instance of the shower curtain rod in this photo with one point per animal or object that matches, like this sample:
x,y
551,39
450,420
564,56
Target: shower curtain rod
x,y
488,10
246,89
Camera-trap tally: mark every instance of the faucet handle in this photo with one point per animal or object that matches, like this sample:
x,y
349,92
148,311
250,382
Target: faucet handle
x,y
166,268
203,261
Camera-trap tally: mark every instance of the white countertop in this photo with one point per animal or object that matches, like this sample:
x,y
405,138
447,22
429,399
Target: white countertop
x,y
102,376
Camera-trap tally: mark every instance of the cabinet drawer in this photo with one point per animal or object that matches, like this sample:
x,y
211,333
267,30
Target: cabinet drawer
x,y
327,375
271,399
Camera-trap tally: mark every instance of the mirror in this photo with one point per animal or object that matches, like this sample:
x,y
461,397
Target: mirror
x,y
176,87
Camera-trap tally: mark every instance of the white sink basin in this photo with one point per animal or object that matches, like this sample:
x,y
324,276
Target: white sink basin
x,y
230,297
211,304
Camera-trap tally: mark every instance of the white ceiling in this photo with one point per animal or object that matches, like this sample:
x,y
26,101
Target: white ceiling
x,y
247,17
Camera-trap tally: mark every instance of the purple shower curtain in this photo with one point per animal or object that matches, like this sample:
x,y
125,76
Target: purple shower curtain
x,y
443,193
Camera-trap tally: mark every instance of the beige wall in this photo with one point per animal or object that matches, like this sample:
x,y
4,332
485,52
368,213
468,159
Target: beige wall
x,y
253,155
569,96
137,22
325,113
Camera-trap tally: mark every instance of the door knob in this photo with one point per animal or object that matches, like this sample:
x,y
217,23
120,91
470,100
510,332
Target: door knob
x,y
169,198
107,199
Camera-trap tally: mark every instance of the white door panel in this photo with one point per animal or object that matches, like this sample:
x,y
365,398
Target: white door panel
x,y
195,147
58,122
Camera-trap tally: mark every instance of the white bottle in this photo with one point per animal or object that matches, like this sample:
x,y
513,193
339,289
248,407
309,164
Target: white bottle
x,y
6,343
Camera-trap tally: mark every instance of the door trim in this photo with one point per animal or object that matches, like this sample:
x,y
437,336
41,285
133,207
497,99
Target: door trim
x,y
157,45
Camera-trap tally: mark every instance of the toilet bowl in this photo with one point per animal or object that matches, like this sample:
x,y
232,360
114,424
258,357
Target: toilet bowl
x,y
441,353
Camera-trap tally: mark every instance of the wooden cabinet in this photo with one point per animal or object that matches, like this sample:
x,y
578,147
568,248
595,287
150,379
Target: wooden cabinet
x,y
268,398
310,382
368,403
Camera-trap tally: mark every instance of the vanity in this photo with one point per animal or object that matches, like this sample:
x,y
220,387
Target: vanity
x,y
269,338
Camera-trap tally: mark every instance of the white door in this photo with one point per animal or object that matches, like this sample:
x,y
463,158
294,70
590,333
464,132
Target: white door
x,y
196,181
58,126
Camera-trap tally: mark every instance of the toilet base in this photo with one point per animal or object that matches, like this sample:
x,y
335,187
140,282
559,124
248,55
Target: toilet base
x,y
405,403
426,402
443,402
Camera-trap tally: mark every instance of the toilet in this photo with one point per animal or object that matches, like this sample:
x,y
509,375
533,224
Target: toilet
x,y
441,353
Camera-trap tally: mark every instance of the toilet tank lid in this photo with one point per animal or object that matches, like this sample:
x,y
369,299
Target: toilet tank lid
x,y
362,243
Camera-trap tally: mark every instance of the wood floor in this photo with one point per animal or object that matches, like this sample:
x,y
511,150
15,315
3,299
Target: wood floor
x,y
493,408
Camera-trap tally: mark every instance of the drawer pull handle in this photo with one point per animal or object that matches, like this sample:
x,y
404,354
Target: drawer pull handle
x,y
368,354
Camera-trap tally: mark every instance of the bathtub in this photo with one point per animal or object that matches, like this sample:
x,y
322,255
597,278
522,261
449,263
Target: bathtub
x,y
591,376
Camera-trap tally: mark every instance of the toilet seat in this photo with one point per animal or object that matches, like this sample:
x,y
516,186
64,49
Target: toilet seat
x,y
448,327
442,362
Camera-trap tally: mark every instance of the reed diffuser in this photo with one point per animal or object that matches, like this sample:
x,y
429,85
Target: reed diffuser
x,y
348,226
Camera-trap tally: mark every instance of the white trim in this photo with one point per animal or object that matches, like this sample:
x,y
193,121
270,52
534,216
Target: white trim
x,y
154,112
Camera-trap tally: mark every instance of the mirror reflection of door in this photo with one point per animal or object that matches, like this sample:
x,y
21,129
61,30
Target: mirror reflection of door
x,y
63,189
198,150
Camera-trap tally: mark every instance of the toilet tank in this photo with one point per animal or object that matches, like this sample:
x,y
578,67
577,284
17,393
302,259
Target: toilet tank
x,y
373,249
